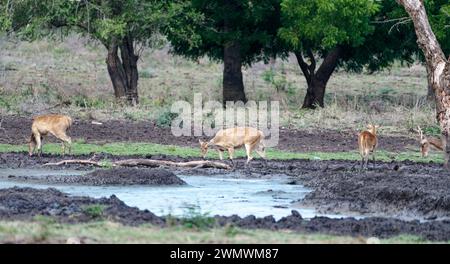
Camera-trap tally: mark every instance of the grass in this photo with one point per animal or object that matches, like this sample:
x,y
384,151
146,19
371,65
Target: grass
x,y
110,232
144,149
50,72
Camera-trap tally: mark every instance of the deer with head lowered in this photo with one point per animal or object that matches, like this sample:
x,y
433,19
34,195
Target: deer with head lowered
x,y
57,125
232,138
429,142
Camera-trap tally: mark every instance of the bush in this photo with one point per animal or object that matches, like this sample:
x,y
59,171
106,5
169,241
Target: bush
x,y
165,118
94,210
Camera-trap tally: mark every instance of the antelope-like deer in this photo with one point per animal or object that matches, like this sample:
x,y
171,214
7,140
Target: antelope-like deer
x,y
367,141
232,138
57,125
427,142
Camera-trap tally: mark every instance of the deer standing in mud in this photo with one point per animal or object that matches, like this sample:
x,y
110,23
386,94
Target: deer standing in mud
x,y
57,125
427,142
367,141
232,138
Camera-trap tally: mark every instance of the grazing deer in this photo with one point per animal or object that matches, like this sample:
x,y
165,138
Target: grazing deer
x,y
367,141
427,142
231,138
57,125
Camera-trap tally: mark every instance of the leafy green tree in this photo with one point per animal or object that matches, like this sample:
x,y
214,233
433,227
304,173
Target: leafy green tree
x,y
353,35
327,30
123,27
237,32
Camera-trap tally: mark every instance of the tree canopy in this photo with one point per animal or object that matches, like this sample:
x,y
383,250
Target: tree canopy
x,y
123,27
237,32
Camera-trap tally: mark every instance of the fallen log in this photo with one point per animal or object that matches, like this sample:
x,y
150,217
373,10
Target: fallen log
x,y
65,162
149,163
191,164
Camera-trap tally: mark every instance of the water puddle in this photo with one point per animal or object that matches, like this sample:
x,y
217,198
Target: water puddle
x,y
222,195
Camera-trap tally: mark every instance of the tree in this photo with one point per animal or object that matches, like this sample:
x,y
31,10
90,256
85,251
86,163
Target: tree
x,y
437,64
237,32
354,35
327,30
123,27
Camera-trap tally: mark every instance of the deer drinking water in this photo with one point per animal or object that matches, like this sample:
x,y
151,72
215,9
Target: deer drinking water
x,y
232,138
367,141
57,125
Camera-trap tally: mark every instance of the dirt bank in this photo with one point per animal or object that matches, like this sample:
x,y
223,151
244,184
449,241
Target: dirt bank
x,y
106,177
16,130
26,203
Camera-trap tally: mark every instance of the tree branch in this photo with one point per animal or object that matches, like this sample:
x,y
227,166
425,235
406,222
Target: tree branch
x,y
312,65
303,66
329,64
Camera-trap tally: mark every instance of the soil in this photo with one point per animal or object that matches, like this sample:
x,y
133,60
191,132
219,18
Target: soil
x,y
116,176
26,203
16,130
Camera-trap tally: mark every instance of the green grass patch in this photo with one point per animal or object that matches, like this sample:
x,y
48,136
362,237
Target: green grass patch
x,y
110,232
125,149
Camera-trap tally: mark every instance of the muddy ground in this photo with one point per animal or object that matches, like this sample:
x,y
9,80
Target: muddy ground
x,y
110,177
16,130
396,189
399,189
26,203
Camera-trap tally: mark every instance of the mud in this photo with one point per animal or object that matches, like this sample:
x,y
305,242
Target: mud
x,y
109,177
16,130
26,203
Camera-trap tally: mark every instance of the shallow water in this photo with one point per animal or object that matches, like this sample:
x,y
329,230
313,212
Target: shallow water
x,y
222,195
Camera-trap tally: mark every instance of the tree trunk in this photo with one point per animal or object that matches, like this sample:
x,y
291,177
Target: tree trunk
x,y
123,71
437,65
116,73
317,80
233,85
430,92
315,93
129,62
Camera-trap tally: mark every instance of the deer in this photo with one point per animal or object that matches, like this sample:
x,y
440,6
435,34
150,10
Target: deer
x,y
427,142
368,141
55,124
231,138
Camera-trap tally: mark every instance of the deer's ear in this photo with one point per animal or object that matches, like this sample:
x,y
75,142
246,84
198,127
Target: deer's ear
x,y
200,141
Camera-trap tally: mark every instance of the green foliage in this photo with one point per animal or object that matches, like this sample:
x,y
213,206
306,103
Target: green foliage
x,y
165,118
195,219
278,81
106,21
323,24
253,24
432,130
94,210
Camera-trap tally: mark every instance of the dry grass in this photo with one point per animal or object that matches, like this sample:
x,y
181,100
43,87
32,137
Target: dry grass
x,y
36,76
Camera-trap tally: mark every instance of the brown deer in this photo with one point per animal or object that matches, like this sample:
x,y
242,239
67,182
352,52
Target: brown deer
x,y
57,125
367,141
427,142
232,138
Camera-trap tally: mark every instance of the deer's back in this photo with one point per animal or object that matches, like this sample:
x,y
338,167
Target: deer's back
x,y
53,123
237,136
367,140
